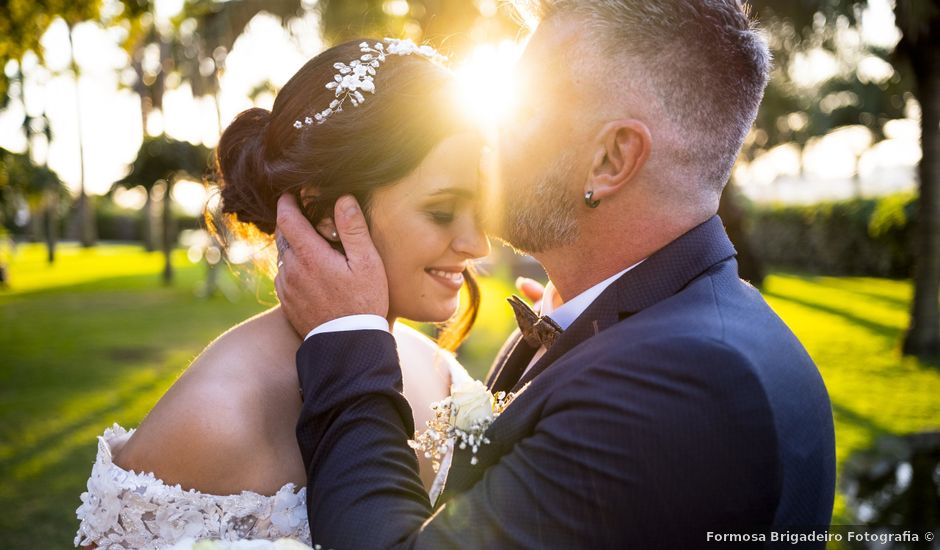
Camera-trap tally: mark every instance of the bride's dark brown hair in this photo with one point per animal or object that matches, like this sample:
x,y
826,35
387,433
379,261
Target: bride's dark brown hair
x,y
261,155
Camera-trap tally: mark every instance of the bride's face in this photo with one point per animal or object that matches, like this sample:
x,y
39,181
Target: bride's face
x,y
425,227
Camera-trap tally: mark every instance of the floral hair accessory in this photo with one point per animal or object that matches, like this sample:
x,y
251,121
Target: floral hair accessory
x,y
351,80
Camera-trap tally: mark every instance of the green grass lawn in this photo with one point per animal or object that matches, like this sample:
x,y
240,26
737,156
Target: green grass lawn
x,y
96,339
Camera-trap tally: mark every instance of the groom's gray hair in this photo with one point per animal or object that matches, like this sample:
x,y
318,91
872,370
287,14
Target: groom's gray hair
x,y
704,61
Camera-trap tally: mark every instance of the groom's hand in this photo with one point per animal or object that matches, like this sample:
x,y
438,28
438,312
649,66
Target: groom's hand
x,y
317,284
530,288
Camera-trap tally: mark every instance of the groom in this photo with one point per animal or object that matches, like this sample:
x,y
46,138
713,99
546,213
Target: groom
x,y
664,400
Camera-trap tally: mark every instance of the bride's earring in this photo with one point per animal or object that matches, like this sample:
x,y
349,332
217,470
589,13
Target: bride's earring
x,y
589,199
327,229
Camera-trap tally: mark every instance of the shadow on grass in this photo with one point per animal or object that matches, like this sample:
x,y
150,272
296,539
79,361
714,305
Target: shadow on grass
x,y
880,329
40,513
901,304
846,415
186,280
27,452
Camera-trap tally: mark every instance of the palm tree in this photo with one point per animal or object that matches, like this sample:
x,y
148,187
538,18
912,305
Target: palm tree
x,y
21,31
449,21
165,160
195,52
794,26
42,190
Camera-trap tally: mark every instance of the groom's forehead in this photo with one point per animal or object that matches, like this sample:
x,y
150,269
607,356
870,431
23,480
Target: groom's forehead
x,y
547,55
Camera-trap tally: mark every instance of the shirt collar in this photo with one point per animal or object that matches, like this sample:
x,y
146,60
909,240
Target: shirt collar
x,y
565,313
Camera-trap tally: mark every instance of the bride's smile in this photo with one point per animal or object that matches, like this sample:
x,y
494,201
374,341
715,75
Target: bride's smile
x,y
452,278
426,229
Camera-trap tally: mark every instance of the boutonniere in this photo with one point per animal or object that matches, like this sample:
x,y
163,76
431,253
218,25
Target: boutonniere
x,y
463,418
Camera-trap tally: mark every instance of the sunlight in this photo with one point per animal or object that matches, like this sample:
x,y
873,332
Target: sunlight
x,y
487,81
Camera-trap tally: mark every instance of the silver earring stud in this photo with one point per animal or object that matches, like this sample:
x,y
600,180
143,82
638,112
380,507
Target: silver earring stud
x,y
334,235
589,199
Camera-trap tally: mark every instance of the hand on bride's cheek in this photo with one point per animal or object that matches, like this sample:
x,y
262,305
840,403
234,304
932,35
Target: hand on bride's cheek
x,y
425,227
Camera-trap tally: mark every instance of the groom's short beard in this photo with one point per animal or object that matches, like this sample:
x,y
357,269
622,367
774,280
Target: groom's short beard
x,y
543,217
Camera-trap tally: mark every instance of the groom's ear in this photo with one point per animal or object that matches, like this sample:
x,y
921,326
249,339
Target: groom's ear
x,y
623,147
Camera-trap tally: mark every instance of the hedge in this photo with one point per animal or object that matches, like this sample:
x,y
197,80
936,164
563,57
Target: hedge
x,y
863,237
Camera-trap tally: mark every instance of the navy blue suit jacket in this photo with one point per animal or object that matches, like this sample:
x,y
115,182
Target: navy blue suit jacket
x,y
678,403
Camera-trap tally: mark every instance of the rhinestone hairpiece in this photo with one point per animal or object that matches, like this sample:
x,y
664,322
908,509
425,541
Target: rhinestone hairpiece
x,y
350,81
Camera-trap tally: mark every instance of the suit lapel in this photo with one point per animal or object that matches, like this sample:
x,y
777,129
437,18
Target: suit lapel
x,y
662,275
502,357
512,368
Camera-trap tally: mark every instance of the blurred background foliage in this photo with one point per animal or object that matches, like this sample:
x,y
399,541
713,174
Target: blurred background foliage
x,y
90,334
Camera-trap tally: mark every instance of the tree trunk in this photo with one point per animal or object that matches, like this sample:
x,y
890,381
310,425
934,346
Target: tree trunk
x,y
51,233
857,177
212,279
86,218
146,228
168,239
35,223
923,336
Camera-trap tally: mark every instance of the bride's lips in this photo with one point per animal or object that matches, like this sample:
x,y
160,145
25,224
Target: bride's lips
x,y
450,277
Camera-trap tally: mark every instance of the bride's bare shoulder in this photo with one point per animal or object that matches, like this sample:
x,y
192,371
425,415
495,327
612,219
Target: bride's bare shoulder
x,y
267,335
217,413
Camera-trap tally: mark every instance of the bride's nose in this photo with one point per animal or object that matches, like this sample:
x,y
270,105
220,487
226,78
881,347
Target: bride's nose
x,y
471,241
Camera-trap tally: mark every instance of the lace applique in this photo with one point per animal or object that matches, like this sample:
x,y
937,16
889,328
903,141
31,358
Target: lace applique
x,y
125,510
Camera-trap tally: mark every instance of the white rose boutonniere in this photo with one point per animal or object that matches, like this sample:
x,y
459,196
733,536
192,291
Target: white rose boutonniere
x,y
471,404
464,418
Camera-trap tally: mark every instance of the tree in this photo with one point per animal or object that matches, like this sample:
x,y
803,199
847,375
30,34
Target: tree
x,y
193,46
163,159
796,27
453,24
42,190
22,25
919,21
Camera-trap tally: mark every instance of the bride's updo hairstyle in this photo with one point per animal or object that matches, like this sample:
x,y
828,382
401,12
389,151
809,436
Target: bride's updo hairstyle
x,y
262,154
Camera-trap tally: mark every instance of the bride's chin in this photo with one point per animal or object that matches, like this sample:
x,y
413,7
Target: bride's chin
x,y
432,314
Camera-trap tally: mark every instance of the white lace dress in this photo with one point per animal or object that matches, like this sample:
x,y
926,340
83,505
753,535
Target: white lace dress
x,y
124,510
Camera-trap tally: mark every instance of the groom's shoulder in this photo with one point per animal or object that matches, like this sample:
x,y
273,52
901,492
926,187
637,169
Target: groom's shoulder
x,y
717,326
716,309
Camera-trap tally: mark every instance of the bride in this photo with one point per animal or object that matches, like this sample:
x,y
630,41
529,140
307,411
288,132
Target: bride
x,y
217,457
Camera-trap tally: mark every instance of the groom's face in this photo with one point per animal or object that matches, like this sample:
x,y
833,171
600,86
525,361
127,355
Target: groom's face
x,y
542,147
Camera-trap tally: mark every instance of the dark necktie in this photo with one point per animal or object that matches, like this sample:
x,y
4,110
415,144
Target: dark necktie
x,y
537,331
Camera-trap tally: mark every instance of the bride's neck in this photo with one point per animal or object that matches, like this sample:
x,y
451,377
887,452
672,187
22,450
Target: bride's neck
x,y
277,313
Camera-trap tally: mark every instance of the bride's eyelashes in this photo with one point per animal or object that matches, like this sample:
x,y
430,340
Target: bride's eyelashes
x,y
442,218
442,213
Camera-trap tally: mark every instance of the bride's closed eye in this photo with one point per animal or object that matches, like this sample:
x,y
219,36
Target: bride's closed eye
x,y
443,212
442,218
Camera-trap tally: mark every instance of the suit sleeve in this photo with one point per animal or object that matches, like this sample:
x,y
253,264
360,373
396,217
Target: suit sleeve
x,y
597,471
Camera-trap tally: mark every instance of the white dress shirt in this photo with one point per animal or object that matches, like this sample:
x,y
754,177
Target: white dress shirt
x,y
565,313
363,321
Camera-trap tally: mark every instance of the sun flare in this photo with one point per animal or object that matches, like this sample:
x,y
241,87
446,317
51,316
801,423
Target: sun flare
x,y
487,81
